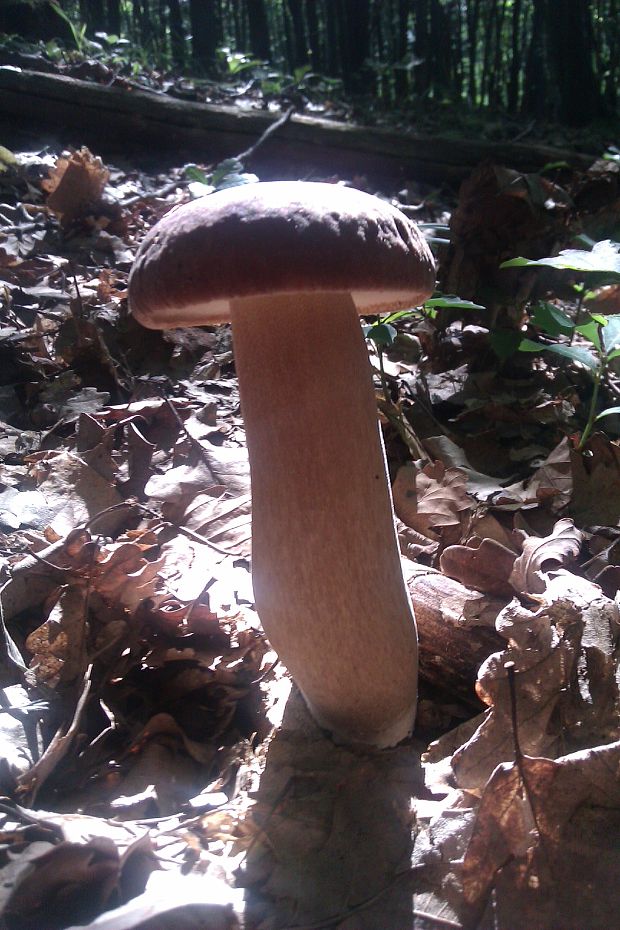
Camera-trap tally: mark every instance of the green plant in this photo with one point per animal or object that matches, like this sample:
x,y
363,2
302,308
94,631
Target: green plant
x,y
383,333
601,333
78,32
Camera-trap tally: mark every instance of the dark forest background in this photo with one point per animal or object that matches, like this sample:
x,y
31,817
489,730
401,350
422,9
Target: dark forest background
x,y
544,59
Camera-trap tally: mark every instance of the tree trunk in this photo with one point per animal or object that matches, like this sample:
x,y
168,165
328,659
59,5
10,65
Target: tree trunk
x,y
299,48
536,85
206,34
93,13
516,60
569,37
355,44
317,59
260,44
401,75
114,17
177,33
473,17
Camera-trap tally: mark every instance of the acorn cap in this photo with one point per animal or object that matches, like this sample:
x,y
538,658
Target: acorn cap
x,y
277,237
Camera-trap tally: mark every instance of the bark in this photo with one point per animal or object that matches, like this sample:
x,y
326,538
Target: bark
x,y
177,33
314,35
355,44
298,38
456,630
570,41
206,33
114,17
259,29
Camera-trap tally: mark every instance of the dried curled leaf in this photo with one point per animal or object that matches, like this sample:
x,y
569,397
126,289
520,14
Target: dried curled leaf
x,y
483,564
75,184
539,556
433,501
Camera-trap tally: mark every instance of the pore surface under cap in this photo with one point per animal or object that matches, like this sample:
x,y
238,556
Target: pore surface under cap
x,y
277,237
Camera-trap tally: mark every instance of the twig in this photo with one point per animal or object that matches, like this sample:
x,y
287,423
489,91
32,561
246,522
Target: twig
x,y
243,157
269,131
524,132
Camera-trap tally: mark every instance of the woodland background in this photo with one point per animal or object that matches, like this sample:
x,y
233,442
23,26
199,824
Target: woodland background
x,y
539,58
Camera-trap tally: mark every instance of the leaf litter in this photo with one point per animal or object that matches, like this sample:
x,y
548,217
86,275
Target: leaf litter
x,y
156,765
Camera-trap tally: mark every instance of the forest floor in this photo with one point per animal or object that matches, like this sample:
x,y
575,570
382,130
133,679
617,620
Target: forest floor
x,y
158,768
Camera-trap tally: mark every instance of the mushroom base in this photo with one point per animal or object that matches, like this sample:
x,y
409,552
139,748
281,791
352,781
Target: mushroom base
x,y
326,566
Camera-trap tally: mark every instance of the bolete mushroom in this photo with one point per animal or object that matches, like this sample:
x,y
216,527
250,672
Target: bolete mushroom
x,y
292,265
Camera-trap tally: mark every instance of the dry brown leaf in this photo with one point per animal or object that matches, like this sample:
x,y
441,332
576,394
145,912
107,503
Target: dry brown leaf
x,y
74,494
545,842
433,501
552,482
483,564
542,662
75,185
596,483
539,556
58,647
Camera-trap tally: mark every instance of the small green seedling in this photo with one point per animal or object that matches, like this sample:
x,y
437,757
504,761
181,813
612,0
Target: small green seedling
x,y
599,265
383,333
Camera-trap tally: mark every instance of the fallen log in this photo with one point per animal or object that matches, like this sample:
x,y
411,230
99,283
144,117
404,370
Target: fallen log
x,y
456,629
117,120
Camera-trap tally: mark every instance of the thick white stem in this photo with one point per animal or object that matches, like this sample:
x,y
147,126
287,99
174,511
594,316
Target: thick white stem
x,y
325,565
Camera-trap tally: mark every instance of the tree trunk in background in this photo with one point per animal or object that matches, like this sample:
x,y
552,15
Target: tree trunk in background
x,y
516,58
422,46
299,47
206,33
473,18
545,59
34,21
536,83
93,13
317,60
570,42
259,29
332,62
177,33
114,17
440,49
355,44
401,75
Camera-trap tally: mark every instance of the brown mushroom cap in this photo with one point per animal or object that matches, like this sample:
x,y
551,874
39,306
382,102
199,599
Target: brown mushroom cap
x,y
277,237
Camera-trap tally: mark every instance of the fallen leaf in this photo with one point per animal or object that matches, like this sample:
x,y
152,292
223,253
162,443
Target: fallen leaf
x,y
539,556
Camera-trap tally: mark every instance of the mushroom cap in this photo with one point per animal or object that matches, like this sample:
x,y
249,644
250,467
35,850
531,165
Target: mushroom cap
x,y
277,237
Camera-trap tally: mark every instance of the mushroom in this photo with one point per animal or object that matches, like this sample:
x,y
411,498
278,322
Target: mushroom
x,y
292,265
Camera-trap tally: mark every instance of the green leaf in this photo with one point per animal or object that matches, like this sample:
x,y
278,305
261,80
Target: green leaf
x,y
607,413
611,333
575,354
230,173
552,320
529,345
382,334
603,257
194,173
612,355
448,302
400,315
590,331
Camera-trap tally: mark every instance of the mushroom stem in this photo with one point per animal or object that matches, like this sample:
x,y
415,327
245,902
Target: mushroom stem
x,y
326,567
